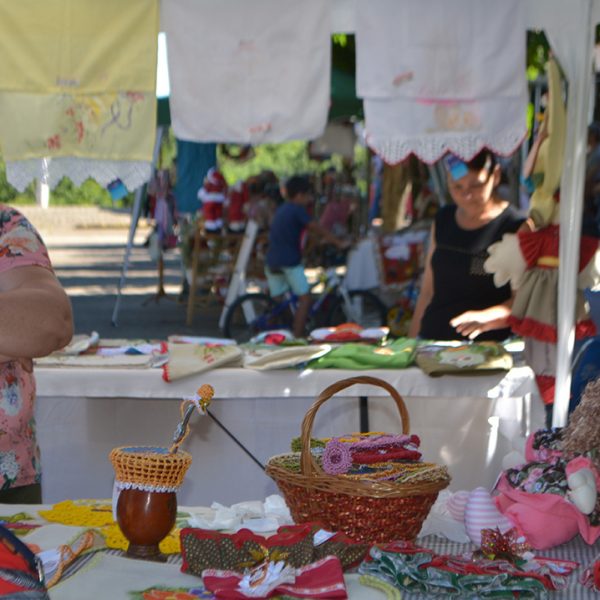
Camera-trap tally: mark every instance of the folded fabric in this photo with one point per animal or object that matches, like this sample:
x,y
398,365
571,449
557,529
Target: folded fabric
x,y
248,72
419,570
299,545
255,516
81,343
323,579
130,350
94,360
349,332
190,339
267,357
442,359
397,355
276,337
191,359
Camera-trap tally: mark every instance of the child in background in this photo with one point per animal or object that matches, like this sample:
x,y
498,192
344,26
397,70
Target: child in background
x,y
284,269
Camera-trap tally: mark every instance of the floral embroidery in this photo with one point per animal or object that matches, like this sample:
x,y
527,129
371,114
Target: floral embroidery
x,y
53,142
461,357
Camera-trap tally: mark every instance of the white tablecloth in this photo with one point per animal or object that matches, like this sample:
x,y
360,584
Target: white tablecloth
x,y
467,423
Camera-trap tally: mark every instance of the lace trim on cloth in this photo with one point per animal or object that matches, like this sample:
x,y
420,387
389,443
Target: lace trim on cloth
x,y
126,485
21,173
431,149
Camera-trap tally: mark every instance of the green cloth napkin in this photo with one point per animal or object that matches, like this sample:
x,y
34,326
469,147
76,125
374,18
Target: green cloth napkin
x,y
397,355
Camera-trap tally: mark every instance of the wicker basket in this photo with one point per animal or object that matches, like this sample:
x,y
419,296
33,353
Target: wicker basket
x,y
366,510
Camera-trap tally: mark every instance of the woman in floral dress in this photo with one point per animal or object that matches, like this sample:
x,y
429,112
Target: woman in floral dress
x,y
35,320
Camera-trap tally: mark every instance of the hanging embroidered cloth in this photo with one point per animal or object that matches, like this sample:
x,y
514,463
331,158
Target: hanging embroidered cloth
x,y
430,88
248,72
77,90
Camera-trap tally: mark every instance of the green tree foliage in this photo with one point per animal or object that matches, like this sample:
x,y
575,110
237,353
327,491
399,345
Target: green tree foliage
x,y
283,159
65,193
538,50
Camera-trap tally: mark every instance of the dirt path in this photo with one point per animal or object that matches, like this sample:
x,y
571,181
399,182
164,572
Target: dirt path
x,y
87,247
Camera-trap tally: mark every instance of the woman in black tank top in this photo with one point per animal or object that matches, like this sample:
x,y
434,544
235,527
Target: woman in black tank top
x,y
458,299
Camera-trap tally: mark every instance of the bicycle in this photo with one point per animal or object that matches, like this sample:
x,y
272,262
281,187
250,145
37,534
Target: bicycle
x,y
254,313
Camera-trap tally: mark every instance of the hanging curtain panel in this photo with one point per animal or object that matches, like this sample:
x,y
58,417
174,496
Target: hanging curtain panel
x,y
77,89
440,76
248,72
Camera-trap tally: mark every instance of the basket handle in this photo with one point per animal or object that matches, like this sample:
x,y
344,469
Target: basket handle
x,y
307,462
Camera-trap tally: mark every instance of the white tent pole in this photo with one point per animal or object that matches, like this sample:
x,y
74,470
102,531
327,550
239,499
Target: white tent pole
x,y
237,281
135,216
42,188
571,204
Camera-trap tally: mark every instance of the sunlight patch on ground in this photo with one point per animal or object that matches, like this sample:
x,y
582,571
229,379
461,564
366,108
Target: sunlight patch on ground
x,y
130,289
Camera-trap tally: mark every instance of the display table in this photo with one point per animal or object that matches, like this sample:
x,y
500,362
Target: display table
x,y
466,423
110,575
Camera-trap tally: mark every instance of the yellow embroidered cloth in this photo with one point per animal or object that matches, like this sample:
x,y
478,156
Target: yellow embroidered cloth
x,y
108,126
78,79
78,45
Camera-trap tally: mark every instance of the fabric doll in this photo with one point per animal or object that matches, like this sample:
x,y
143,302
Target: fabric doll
x,y
559,485
529,259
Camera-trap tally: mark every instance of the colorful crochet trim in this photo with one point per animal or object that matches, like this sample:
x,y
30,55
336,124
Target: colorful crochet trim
x,y
342,454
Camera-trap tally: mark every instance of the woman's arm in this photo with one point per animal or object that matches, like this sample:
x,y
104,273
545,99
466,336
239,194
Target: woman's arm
x,y
475,322
36,316
426,291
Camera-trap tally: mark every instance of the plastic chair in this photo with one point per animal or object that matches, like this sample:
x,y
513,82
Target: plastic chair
x,y
586,368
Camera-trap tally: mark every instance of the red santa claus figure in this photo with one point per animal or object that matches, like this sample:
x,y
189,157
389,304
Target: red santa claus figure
x,y
236,207
212,195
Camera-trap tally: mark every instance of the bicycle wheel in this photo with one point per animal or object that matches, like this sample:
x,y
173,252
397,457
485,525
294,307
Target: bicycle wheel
x,y
365,309
251,314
